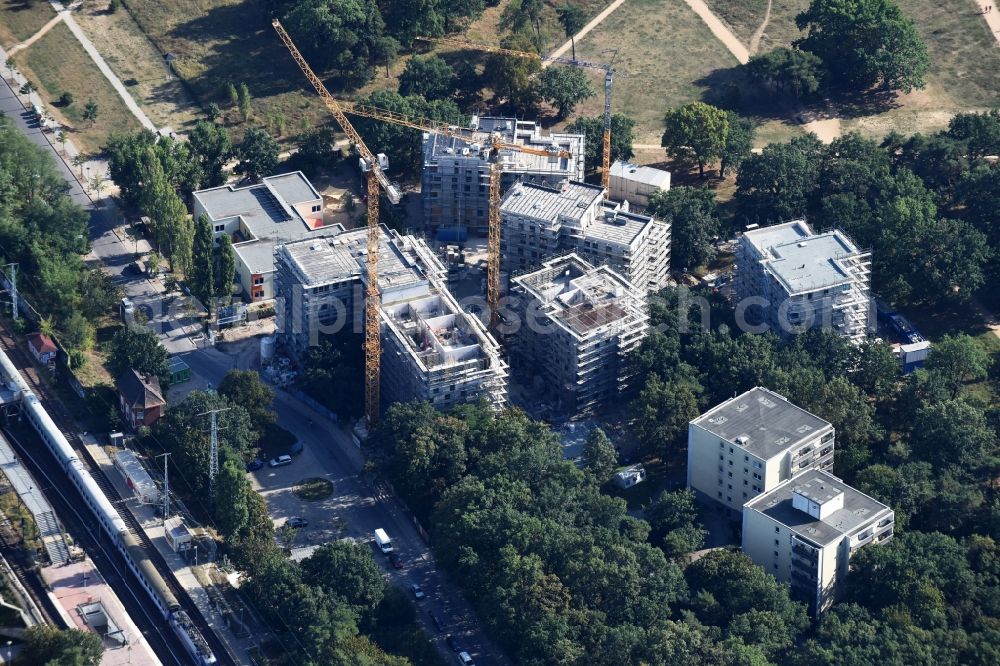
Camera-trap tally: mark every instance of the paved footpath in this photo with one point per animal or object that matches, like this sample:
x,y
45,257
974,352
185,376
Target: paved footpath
x,y
992,18
594,22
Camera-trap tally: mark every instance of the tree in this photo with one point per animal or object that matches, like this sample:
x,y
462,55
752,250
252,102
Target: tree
x,y
622,136
565,87
226,273
788,71
739,142
244,101
460,9
693,217
573,18
90,111
844,405
200,279
696,131
232,514
953,433
599,455
673,517
47,645
77,333
430,77
408,19
662,412
878,369
958,360
777,183
864,44
140,350
346,570
980,132
513,77
211,146
245,388
316,148
258,154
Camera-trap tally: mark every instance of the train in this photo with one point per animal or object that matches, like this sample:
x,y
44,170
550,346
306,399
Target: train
x,y
135,555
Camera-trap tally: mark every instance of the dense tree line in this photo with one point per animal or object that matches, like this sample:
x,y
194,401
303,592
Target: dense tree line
x,y
924,205
46,234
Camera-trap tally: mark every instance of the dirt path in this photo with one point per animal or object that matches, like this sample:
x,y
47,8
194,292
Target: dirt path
x,y
755,40
35,37
992,18
594,22
719,29
91,50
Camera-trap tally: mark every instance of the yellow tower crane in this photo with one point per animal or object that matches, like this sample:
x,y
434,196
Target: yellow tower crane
x,y
609,75
375,177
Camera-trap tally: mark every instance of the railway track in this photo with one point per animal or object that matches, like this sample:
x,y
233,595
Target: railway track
x,y
57,411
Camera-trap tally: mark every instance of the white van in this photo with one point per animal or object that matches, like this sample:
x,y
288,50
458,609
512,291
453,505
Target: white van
x,y
382,541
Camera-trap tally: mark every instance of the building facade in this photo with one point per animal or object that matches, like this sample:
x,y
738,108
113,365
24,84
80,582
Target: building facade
x,y
431,349
805,531
456,176
140,398
635,184
259,217
790,279
748,445
539,221
576,324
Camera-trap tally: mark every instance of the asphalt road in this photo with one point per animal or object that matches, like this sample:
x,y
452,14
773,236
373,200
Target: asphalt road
x,y
354,510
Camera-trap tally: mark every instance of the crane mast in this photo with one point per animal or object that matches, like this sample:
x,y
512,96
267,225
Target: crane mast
x,y
375,177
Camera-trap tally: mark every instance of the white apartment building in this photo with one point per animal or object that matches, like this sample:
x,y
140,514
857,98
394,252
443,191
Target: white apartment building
x,y
576,325
801,280
455,190
259,217
431,349
805,531
634,184
539,221
748,445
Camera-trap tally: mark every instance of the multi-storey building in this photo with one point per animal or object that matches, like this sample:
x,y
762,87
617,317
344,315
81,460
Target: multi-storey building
x,y
806,530
456,176
749,444
259,217
575,324
538,221
801,280
431,349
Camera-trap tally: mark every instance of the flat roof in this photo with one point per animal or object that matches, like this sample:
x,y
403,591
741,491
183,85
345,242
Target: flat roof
x,y
812,263
858,509
617,226
571,199
641,174
257,256
767,237
769,421
293,187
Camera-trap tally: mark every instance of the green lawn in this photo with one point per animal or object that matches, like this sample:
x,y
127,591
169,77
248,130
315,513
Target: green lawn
x,y
20,20
57,63
667,56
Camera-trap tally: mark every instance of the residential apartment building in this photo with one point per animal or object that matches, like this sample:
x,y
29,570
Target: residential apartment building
x,y
576,323
805,531
748,445
803,280
258,218
456,175
539,221
431,349
635,184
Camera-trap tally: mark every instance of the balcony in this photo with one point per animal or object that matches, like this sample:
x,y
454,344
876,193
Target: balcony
x,y
806,553
803,580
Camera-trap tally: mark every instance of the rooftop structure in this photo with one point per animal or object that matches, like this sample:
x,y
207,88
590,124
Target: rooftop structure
x,y
455,184
816,522
749,444
807,279
432,350
635,184
577,322
540,220
258,217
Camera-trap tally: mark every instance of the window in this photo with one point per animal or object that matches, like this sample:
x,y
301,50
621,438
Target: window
x,y
729,499
719,494
220,227
746,471
776,565
776,553
730,449
756,476
258,280
721,457
757,465
730,486
777,543
730,463
777,529
744,495
722,445
745,482
317,208
757,488
746,458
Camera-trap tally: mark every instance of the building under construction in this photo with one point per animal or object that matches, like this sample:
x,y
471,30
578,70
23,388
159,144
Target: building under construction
x,y
456,174
541,220
577,323
431,349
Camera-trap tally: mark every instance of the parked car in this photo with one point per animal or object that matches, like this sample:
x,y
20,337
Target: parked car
x,y
280,461
435,620
296,449
255,465
395,560
453,643
418,592
465,659
296,521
